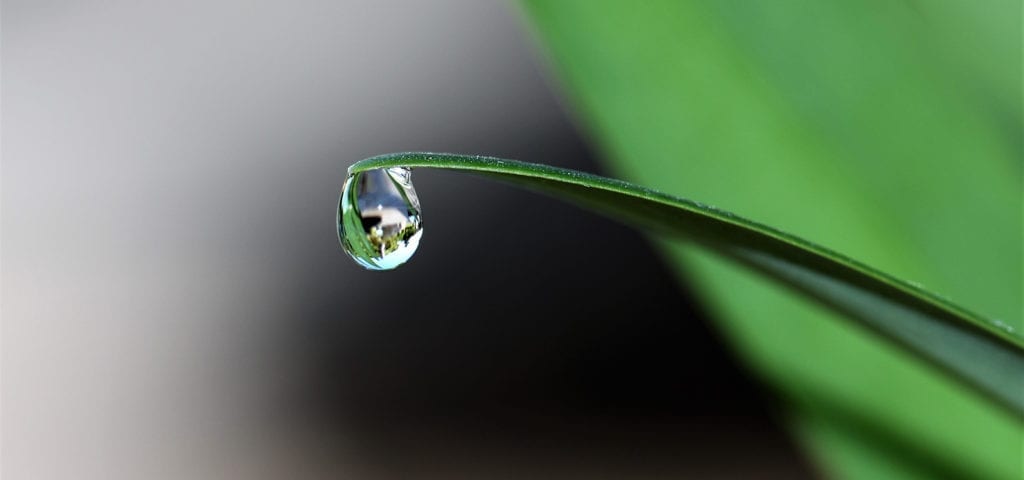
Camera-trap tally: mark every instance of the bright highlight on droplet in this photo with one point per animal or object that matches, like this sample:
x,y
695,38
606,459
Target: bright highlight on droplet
x,y
379,222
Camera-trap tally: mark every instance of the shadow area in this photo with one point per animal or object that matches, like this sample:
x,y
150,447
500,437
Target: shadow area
x,y
552,345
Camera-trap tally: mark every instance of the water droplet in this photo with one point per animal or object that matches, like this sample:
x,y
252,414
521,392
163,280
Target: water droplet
x,y
1003,325
379,218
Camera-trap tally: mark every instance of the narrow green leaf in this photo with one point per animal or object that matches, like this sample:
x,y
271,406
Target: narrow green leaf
x,y
983,353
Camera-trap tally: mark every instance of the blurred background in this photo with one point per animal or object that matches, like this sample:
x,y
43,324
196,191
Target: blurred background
x,y
176,305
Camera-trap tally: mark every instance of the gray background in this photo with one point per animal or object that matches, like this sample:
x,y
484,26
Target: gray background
x,y
175,303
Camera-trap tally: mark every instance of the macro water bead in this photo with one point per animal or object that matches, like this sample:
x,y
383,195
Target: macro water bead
x,y
379,222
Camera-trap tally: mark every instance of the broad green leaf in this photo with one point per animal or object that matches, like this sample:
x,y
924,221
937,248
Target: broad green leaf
x,y
890,131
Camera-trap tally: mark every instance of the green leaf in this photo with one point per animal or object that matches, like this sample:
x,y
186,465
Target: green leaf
x,y
980,351
888,130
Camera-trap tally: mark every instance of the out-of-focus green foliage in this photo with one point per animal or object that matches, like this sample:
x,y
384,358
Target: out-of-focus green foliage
x,y
891,131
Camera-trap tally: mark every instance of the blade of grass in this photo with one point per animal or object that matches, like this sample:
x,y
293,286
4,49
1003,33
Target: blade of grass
x,y
987,355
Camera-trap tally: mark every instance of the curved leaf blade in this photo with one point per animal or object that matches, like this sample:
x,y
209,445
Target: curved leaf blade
x,y
981,352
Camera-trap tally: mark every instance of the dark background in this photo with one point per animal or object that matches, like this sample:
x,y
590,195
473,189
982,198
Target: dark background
x,y
176,304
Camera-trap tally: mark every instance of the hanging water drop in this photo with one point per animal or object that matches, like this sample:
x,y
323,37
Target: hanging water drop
x,y
379,222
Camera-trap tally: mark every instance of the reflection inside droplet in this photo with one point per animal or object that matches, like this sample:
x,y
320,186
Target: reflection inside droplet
x,y
379,218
